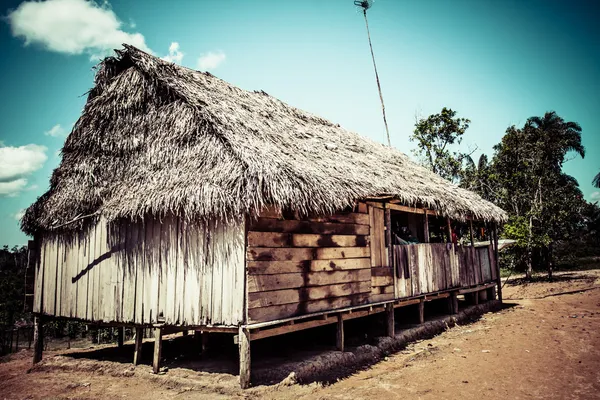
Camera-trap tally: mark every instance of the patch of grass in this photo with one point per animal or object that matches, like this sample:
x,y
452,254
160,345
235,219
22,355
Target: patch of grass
x,y
506,272
579,264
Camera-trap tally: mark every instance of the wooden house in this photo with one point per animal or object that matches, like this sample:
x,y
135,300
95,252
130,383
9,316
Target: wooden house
x,y
185,203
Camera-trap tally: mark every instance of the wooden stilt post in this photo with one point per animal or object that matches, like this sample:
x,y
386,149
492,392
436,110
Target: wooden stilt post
x,y
390,246
426,227
339,342
449,230
497,262
158,332
244,348
483,296
472,233
205,341
185,332
422,311
454,297
475,297
389,311
38,339
198,341
120,336
491,293
137,350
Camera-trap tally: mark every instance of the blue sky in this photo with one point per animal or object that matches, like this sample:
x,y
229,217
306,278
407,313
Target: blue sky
x,y
495,62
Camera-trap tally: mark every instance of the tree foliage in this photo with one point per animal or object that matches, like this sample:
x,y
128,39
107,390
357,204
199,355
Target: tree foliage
x,y
542,201
435,137
13,264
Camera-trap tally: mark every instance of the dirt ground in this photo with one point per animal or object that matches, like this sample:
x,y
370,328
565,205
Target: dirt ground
x,y
545,343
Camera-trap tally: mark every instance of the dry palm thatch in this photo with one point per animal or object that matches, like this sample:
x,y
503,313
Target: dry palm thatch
x,y
157,138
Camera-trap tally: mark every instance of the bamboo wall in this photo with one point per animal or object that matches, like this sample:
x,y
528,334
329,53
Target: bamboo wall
x,y
165,271
297,267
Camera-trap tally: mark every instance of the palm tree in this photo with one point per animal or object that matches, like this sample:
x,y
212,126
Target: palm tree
x,y
596,181
556,138
477,178
553,138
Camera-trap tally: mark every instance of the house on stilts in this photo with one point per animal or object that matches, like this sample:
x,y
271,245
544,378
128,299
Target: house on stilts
x,y
185,203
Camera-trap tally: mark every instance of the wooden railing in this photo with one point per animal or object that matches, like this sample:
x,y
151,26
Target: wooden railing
x,y
432,267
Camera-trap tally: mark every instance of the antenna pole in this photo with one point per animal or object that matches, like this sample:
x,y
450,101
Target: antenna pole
x,y
387,131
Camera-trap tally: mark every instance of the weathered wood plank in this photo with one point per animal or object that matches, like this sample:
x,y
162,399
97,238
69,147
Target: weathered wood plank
x,y
270,212
288,296
279,254
382,281
216,272
269,239
61,272
139,263
244,351
326,253
349,218
362,208
261,283
205,275
398,207
151,265
382,289
130,272
376,235
297,226
300,254
38,275
280,267
288,310
318,240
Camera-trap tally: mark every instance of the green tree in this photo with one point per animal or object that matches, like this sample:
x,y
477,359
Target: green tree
x,y
540,198
13,265
479,177
435,137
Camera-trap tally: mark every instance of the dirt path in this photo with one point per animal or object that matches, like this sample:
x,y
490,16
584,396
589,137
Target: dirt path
x,y
547,345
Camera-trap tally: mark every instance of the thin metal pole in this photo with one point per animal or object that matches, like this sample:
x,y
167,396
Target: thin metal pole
x,y
377,78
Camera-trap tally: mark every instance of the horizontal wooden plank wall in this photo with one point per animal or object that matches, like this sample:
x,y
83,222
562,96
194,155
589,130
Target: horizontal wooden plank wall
x,y
431,267
156,271
299,266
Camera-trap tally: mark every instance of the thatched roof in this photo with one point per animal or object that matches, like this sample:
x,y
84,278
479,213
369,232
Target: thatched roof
x,y
155,137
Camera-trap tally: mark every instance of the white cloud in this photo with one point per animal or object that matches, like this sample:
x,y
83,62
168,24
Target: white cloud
x,y
12,188
56,131
210,60
16,163
595,196
72,27
175,55
19,214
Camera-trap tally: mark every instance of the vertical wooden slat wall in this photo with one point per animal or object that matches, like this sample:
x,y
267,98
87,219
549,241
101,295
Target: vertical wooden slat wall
x,y
147,272
431,267
382,274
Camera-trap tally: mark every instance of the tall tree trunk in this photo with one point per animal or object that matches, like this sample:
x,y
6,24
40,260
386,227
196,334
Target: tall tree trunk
x,y
529,272
549,261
